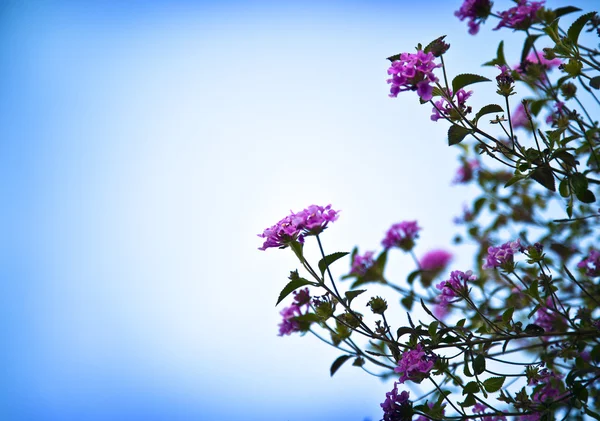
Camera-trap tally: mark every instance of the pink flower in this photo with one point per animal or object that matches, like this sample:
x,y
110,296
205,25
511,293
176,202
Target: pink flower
x,y
414,365
521,16
455,287
444,109
550,390
360,264
288,324
503,256
401,235
281,234
435,260
413,72
519,117
396,406
476,11
591,264
466,171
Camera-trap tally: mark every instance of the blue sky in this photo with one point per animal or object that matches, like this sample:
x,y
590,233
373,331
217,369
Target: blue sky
x,y
143,147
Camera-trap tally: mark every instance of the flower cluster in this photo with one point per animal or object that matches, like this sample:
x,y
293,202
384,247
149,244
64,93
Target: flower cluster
x,y
503,256
465,172
401,235
455,287
414,365
537,59
361,264
294,227
476,11
446,109
289,325
591,264
519,117
548,388
432,264
521,16
413,72
397,407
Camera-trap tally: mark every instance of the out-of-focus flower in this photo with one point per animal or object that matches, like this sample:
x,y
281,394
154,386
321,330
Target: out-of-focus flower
x,y
476,11
397,406
361,264
445,109
521,16
519,117
559,112
288,324
413,72
467,216
401,235
503,256
432,264
591,264
535,66
550,389
465,172
414,365
302,297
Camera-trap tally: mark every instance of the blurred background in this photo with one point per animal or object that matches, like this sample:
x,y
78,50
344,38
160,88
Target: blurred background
x,y
144,144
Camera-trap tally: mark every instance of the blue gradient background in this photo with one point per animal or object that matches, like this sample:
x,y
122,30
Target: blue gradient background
x,y
143,144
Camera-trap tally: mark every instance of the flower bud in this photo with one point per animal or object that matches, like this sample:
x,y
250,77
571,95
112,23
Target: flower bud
x,y
351,319
438,46
568,90
378,305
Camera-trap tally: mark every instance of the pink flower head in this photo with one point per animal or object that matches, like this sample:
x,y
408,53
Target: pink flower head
x,y
441,311
503,256
288,325
361,264
401,235
413,72
465,173
550,386
281,234
414,365
444,109
476,11
294,227
314,219
591,264
519,117
542,63
521,16
435,260
302,297
455,287
396,407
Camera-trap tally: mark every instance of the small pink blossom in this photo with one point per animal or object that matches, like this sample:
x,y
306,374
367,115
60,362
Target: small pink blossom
x,y
476,11
413,72
415,365
288,324
521,16
503,256
396,406
519,117
456,287
401,235
435,260
465,172
446,109
361,264
591,264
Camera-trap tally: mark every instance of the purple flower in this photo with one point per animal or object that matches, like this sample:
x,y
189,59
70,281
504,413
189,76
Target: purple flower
x,y
432,264
443,108
361,264
401,235
467,216
314,219
539,59
476,11
441,311
414,365
521,16
559,107
503,256
413,72
294,227
591,264
480,408
455,287
397,407
302,297
545,317
550,386
519,117
435,260
466,171
288,324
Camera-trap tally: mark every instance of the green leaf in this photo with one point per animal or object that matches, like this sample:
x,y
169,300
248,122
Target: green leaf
x,y
471,387
328,260
591,413
579,182
407,302
479,364
586,196
469,401
507,315
433,328
338,363
561,11
465,79
456,134
351,295
595,82
493,384
500,60
544,176
488,109
412,276
292,286
575,29
515,178
529,41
